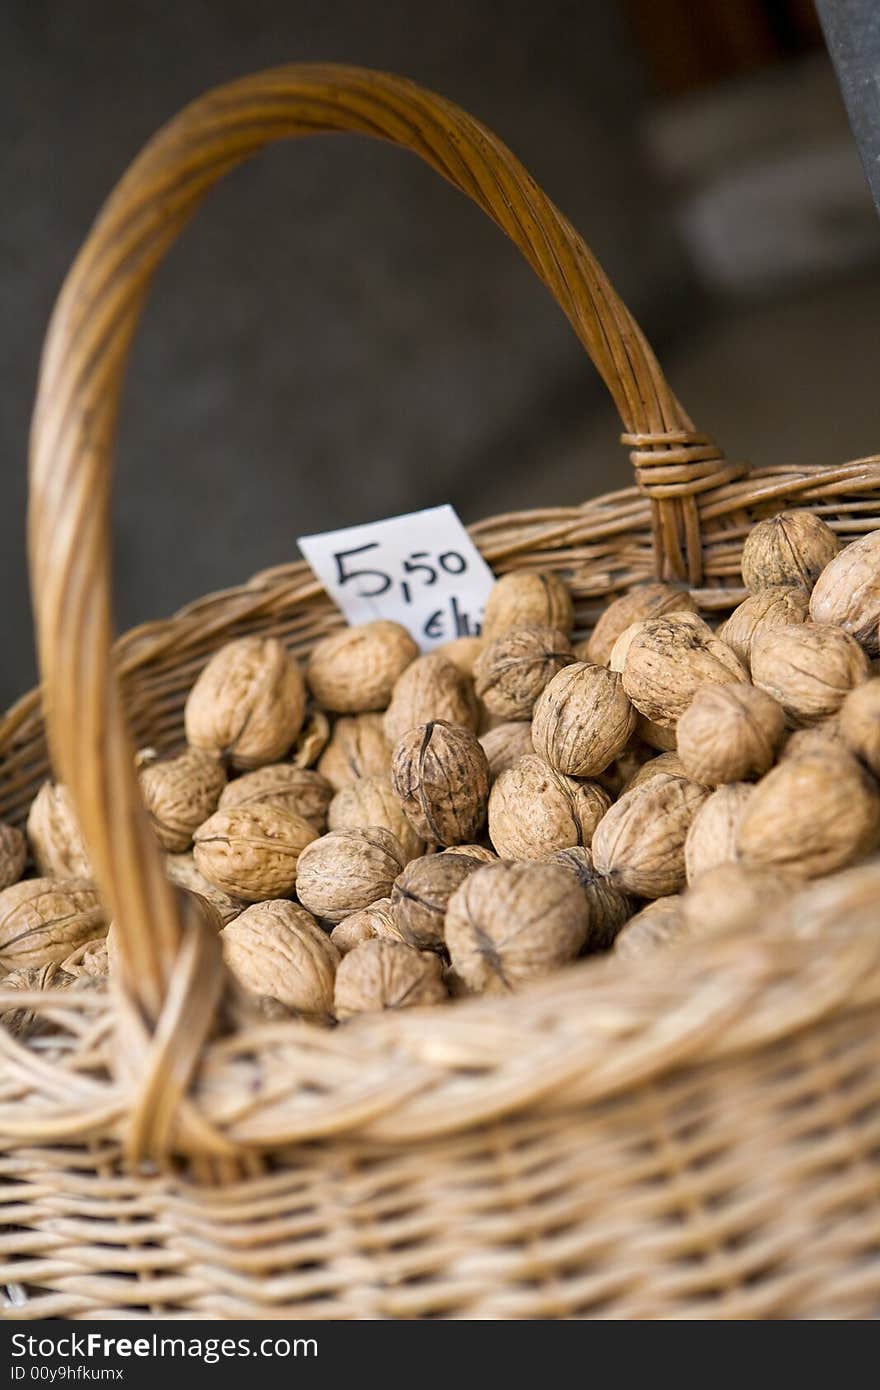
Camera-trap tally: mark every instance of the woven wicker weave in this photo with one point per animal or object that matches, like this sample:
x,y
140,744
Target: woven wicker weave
x,y
696,1137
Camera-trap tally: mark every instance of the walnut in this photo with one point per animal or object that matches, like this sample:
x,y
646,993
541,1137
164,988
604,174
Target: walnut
x,y
430,689
667,662
711,839
194,907
27,1022
90,958
808,668
656,736
847,592
823,737
513,670
480,852
758,613
356,669
441,775
311,740
790,548
508,924
277,949
358,748
13,853
647,601
732,897
385,974
463,653
296,789
729,733
421,894
860,723
44,919
669,763
55,838
374,801
812,814
533,810
180,793
618,654
607,907
504,744
583,720
661,923
181,870
639,843
251,852
527,597
348,869
364,925
248,703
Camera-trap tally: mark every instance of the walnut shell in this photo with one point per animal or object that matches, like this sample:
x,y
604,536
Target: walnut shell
x,y
463,653
421,894
791,548
505,744
512,671
729,733
639,843
847,592
607,907
182,872
669,659
356,669
55,838
808,668
179,794
374,801
251,852
311,740
430,689
711,839
769,608
386,974
527,597
366,924
277,949
248,703
358,748
733,897
583,720
348,869
44,919
860,723
480,852
296,789
533,810
26,1022
655,735
661,923
618,654
669,763
812,814
646,601
13,853
825,737
441,775
90,958
508,924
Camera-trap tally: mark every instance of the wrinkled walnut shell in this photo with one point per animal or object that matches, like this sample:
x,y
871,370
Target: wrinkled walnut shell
x,y
251,852
647,601
430,689
769,608
639,843
179,794
527,597
791,548
711,839
374,801
729,733
43,919
583,720
669,659
348,869
512,671
277,949
808,668
533,810
54,835
421,894
355,670
607,907
13,853
441,775
300,790
248,703
357,749
385,974
847,592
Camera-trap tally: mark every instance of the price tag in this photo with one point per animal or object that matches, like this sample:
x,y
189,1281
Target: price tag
x,y
421,570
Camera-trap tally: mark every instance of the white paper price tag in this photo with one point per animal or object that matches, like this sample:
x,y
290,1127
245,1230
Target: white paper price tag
x,y
421,570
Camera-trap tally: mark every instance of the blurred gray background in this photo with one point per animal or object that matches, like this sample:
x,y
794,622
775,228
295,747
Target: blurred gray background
x,y
340,336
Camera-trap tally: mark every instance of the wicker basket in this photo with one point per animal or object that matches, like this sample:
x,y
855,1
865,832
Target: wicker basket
x,y
699,1138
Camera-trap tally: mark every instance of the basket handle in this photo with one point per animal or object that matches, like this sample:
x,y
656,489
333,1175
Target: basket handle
x,y
72,443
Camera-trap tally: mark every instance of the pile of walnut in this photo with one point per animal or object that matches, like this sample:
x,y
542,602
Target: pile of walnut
x,y
387,829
